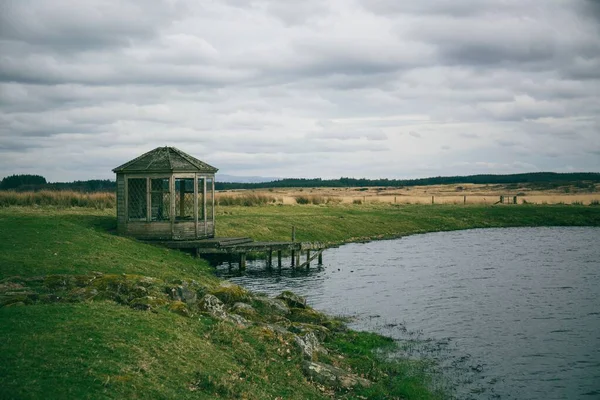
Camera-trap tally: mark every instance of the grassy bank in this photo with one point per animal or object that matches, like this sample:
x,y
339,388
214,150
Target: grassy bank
x,y
344,223
88,314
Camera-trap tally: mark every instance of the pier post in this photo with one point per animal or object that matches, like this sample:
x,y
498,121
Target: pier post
x,y
279,259
242,261
298,258
293,258
307,259
320,256
269,258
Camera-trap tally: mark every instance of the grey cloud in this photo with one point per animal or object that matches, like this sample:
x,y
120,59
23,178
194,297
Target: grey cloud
x,y
507,143
255,84
453,8
342,134
75,25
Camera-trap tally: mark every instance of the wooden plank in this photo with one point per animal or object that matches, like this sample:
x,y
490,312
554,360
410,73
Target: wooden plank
x,y
173,206
212,229
126,208
148,201
148,230
204,205
196,205
307,263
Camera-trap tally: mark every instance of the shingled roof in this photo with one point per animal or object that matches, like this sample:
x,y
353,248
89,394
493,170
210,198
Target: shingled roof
x,y
165,159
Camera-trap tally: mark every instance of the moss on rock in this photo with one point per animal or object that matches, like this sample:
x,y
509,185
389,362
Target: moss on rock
x,y
179,307
230,293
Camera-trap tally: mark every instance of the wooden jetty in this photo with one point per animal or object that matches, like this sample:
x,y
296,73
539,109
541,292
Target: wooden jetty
x,y
240,247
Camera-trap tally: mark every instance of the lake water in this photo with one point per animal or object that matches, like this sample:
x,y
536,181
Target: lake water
x,y
506,313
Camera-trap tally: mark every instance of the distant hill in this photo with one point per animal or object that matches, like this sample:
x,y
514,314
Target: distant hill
x,y
545,178
542,179
245,179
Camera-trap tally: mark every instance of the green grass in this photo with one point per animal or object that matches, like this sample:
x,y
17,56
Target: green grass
x,y
39,241
344,223
102,350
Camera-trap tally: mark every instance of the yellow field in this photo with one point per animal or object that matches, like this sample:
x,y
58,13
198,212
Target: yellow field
x,y
442,194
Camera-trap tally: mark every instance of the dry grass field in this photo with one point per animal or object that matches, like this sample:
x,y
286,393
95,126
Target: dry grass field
x,y
584,194
442,194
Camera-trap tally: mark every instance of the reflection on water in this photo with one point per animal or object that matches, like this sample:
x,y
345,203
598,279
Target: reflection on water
x,y
513,313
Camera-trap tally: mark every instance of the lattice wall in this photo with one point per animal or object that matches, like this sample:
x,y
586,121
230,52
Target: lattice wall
x,y
209,199
160,199
184,199
136,199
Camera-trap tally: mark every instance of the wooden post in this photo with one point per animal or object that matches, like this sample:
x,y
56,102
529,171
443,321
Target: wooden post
x,y
464,199
298,258
515,200
307,258
181,198
279,259
293,258
293,233
394,199
320,256
501,199
269,258
196,216
432,200
242,261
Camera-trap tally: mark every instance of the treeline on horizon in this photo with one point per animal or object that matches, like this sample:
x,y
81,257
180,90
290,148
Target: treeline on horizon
x,y
551,179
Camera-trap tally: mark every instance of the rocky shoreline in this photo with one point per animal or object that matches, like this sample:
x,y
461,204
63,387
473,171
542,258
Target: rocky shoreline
x,y
286,317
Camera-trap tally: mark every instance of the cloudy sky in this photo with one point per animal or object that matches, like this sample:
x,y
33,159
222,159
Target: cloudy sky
x,y
301,88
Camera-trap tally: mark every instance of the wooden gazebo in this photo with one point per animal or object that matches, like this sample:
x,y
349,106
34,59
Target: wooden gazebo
x,y
166,194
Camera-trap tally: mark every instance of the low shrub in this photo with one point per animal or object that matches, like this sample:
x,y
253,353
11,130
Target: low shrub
x,y
313,199
246,200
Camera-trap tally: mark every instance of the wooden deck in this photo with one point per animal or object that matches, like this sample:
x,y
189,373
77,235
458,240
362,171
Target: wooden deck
x,y
241,246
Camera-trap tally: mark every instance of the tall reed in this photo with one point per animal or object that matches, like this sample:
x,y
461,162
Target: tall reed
x,y
98,200
247,200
